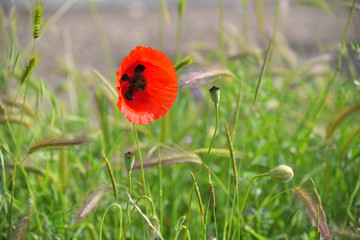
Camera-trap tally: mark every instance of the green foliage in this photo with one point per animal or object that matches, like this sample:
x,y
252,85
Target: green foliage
x,y
64,192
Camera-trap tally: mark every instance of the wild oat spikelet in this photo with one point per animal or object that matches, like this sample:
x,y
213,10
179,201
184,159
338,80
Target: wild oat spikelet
x,y
314,209
20,228
91,203
54,140
212,191
30,65
150,232
233,161
37,13
198,196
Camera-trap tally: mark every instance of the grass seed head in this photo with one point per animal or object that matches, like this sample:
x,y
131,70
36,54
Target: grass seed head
x,y
30,65
37,18
314,209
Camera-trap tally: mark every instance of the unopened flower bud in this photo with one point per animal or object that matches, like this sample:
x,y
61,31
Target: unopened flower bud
x,y
215,94
282,173
149,230
129,160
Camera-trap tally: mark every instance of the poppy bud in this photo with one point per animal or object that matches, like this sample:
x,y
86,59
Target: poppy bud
x,y
282,173
129,160
149,230
215,94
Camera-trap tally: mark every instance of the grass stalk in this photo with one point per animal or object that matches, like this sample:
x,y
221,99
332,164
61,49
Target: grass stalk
x,y
237,111
234,168
141,164
16,163
201,167
351,200
136,207
112,177
262,73
63,170
181,11
260,16
160,191
120,219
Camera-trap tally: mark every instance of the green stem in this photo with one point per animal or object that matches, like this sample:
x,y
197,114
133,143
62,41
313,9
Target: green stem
x,y
140,158
8,117
216,231
127,206
133,210
160,193
241,207
201,167
120,219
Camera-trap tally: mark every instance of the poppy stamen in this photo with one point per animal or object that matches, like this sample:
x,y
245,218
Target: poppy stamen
x,y
138,82
129,94
125,78
139,69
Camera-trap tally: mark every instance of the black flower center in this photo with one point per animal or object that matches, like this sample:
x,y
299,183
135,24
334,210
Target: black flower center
x,y
138,82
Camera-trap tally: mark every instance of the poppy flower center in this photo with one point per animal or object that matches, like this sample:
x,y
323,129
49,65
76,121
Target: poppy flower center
x,y
138,82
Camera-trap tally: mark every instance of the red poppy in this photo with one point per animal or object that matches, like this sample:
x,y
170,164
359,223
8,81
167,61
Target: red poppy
x,y
146,85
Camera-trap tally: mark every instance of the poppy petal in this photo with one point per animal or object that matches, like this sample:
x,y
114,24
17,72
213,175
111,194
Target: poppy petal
x,y
153,102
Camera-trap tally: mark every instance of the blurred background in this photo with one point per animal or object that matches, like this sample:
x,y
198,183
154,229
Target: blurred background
x,y
98,34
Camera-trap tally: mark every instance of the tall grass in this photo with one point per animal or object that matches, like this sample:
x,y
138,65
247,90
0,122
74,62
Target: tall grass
x,y
54,185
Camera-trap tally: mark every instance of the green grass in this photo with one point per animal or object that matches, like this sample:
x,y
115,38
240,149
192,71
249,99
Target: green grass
x,y
63,190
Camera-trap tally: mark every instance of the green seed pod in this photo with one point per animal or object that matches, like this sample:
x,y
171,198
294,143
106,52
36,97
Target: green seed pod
x,y
215,94
282,173
129,160
149,230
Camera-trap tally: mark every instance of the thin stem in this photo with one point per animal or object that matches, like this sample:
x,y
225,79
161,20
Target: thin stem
x,y
216,231
201,167
16,160
127,205
120,219
133,210
160,192
237,111
8,117
140,158
241,207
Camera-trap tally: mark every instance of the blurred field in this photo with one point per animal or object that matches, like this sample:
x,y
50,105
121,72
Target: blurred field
x,y
126,24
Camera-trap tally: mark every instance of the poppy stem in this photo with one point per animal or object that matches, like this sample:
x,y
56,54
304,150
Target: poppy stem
x,y
201,167
141,162
127,206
